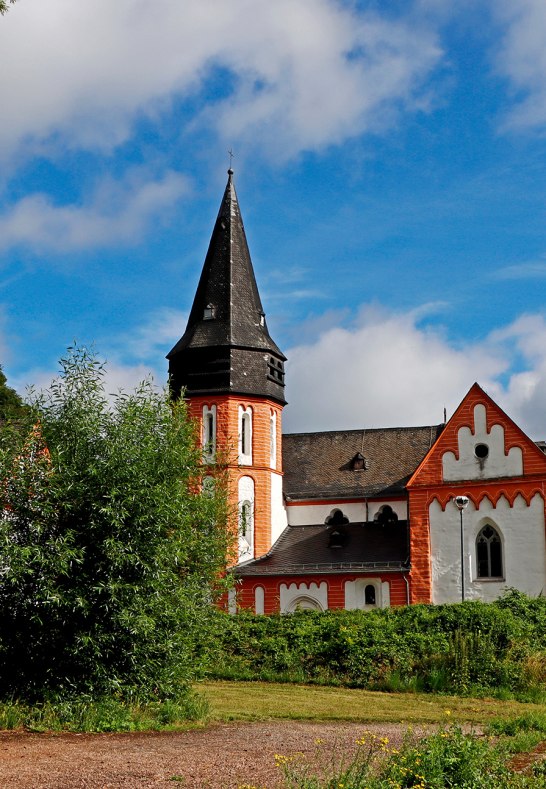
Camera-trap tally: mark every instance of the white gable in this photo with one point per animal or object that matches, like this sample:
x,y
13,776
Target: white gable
x,y
482,455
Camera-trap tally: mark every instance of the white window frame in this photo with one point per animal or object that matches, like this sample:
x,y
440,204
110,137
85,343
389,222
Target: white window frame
x,y
208,437
245,436
245,509
273,439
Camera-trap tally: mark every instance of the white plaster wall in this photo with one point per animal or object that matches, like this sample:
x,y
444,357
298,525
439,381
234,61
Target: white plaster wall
x,y
279,520
524,549
308,514
354,593
497,463
290,592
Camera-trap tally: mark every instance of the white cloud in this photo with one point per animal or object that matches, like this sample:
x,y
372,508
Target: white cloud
x,y
114,213
525,395
522,59
300,74
532,269
387,370
155,338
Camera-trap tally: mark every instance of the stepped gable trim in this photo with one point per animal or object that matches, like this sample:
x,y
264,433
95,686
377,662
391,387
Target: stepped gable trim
x,y
429,471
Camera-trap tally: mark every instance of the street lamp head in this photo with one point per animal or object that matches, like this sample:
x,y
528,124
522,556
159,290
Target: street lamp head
x,y
461,502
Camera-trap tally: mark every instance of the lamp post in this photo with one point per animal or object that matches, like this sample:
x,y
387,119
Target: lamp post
x,y
461,502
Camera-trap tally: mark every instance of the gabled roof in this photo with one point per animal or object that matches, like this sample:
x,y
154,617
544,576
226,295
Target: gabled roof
x,y
430,472
319,465
307,549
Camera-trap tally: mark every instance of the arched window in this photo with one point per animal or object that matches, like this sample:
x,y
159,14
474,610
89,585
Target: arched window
x,y
336,518
209,433
246,518
245,436
489,553
369,595
386,515
273,439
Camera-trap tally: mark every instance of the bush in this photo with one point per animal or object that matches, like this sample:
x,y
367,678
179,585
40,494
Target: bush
x,y
471,647
109,547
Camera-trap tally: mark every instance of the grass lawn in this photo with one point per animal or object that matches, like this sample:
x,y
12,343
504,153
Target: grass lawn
x,y
255,701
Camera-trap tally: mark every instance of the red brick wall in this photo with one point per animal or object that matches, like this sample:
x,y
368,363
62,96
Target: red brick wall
x,y
227,441
336,588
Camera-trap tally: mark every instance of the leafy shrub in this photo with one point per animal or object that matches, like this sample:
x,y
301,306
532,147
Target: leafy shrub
x,y
470,647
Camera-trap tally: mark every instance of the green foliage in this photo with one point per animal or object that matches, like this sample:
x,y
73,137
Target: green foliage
x,y
447,758
4,5
11,405
109,548
108,714
470,648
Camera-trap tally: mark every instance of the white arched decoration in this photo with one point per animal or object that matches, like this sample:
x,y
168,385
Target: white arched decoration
x,y
310,596
304,603
246,518
367,593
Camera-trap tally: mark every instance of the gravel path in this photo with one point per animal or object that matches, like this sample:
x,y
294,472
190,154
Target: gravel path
x,y
222,756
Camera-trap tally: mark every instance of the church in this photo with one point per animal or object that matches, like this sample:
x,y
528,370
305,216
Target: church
x,y
349,519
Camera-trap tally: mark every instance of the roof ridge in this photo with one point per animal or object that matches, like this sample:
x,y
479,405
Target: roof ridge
x,y
362,429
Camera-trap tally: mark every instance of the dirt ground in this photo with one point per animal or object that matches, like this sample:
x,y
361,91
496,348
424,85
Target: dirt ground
x,y
220,756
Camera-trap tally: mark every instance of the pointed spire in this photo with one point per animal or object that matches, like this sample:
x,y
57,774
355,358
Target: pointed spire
x,y
226,346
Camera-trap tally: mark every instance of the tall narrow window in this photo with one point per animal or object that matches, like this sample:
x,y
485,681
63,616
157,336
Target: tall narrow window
x,y
245,436
273,439
246,518
369,595
489,553
209,433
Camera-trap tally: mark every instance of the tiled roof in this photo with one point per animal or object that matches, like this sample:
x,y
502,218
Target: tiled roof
x,y
318,465
364,547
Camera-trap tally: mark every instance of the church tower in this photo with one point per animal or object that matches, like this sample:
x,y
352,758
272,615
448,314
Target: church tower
x,y
232,374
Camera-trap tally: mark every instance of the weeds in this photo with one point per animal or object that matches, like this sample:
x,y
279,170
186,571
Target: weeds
x,y
449,758
106,715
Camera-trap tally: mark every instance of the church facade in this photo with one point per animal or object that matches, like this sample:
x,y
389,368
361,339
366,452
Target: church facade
x,y
360,518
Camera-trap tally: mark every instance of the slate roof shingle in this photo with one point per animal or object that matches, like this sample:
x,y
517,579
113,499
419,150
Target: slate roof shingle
x,y
227,352
307,549
318,465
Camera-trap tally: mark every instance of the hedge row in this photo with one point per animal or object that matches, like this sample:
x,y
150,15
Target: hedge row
x,y
467,647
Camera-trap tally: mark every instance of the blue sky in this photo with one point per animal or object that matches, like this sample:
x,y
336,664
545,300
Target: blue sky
x,y
390,162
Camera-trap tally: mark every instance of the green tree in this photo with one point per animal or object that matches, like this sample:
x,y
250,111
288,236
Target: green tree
x,y
110,546
11,405
4,4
